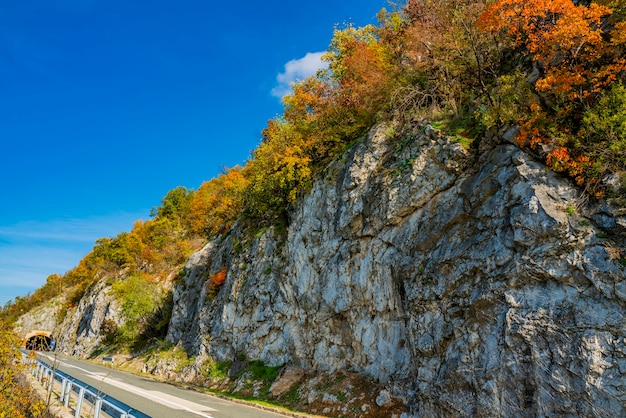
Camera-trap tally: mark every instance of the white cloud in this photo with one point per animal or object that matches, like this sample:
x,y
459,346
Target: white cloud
x,y
296,70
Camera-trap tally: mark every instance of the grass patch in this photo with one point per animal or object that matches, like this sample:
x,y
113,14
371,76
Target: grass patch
x,y
459,129
216,370
262,372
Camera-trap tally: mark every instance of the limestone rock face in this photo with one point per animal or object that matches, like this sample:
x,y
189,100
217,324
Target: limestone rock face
x,y
471,283
79,333
43,318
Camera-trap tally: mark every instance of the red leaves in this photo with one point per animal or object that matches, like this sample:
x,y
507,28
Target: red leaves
x,y
215,282
560,161
218,278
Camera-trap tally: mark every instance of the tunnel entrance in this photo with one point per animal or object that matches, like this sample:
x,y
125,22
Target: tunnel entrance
x,y
39,341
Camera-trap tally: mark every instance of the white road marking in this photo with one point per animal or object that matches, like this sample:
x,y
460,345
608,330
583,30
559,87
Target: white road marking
x,y
159,397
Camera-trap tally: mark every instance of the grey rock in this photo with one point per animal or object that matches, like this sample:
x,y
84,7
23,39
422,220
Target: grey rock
x,y
464,286
456,278
383,398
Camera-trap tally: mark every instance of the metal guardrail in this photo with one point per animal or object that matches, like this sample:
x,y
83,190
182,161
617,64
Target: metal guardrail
x,y
101,402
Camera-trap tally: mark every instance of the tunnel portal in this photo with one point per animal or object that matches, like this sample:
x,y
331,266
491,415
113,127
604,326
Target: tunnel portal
x,y
39,341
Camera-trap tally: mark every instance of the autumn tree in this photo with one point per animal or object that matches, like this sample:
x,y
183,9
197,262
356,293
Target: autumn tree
x,y
568,42
218,202
577,51
455,62
337,105
361,67
278,170
175,206
17,399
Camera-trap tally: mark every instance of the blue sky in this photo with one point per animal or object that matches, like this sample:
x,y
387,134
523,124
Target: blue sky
x,y
105,105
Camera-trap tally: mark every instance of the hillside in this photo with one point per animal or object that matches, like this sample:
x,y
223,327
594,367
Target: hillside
x,y
438,218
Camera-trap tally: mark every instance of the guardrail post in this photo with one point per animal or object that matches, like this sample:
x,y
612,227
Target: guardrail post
x,y
63,385
97,407
42,376
68,391
46,375
79,402
51,381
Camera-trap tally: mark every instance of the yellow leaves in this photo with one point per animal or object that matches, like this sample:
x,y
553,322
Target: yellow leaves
x,y
618,37
218,202
17,399
279,168
291,166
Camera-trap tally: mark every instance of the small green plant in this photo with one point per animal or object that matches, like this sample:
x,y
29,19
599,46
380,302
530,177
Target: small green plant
x,y
406,164
460,129
216,370
602,235
260,371
571,211
391,132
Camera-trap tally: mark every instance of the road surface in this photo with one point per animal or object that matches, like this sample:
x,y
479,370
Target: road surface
x,y
157,399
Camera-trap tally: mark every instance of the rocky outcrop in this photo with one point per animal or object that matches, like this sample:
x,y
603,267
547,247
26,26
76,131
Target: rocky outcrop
x,y
76,330
470,283
43,318
79,334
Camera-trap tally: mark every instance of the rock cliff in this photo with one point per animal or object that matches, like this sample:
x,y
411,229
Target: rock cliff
x,y
470,282
79,334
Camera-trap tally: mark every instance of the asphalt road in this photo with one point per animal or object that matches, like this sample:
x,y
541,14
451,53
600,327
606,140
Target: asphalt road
x,y
157,399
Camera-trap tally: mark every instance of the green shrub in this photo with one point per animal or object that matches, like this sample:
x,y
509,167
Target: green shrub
x,y
216,370
260,371
604,128
139,300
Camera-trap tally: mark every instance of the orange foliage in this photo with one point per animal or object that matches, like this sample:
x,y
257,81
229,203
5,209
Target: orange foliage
x,y
560,160
304,104
216,281
218,202
218,278
567,40
366,76
578,49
